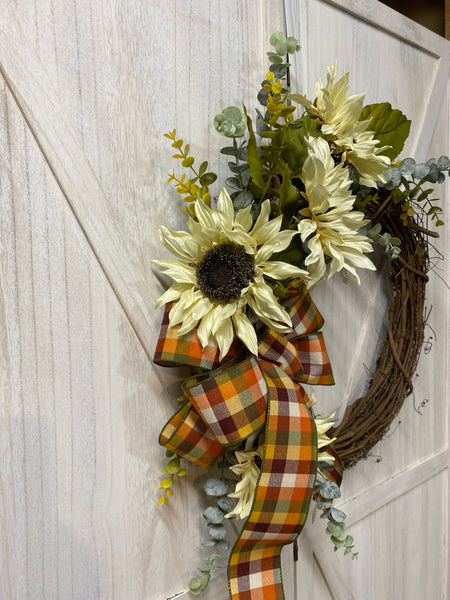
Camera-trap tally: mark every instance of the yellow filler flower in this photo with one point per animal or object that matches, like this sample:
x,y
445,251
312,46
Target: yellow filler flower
x,y
220,269
330,224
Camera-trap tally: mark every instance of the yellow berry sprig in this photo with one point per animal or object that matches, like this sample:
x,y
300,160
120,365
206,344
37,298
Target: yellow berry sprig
x,y
190,187
173,468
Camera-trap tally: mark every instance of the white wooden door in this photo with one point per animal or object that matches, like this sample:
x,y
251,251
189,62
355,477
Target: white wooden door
x,y
87,90
397,500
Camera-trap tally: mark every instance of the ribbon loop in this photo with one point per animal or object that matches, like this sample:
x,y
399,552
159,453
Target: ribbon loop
x,y
232,401
187,435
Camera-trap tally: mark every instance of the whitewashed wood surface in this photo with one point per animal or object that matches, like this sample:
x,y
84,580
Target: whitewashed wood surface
x,y
88,89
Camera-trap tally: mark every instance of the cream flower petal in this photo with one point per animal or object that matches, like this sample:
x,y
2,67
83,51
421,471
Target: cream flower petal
x,y
277,244
265,305
281,270
224,337
242,239
245,331
196,312
331,221
246,487
263,216
184,240
187,299
268,230
204,329
244,218
176,251
222,312
225,206
179,271
306,228
340,114
173,293
204,215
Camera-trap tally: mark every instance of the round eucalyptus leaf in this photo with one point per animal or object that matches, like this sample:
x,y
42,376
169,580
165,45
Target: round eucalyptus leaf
x,y
217,532
216,486
214,515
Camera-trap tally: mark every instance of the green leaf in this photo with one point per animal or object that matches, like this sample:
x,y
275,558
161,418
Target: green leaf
x,y
337,530
214,515
217,532
223,546
337,515
288,198
254,160
390,126
330,490
226,503
202,168
292,45
198,584
230,122
230,151
242,200
188,162
208,178
291,140
216,486
278,40
274,58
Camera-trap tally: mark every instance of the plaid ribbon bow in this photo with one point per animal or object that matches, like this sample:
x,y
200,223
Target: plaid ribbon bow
x,y
235,399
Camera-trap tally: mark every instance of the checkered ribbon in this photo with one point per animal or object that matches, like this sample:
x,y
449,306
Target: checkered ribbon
x,y
235,399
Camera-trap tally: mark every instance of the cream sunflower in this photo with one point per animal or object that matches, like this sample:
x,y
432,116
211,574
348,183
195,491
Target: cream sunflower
x,y
248,470
220,269
339,114
330,224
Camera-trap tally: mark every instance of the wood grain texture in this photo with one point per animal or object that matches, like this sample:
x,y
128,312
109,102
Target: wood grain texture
x,y
85,479
391,50
81,406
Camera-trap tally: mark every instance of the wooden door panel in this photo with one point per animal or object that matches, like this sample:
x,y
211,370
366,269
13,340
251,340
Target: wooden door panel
x,y
82,404
406,474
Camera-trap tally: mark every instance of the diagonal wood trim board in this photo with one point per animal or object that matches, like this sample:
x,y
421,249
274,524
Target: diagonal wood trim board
x,y
35,96
398,26
360,507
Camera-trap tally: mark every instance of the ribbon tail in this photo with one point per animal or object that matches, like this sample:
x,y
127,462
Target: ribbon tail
x,y
283,493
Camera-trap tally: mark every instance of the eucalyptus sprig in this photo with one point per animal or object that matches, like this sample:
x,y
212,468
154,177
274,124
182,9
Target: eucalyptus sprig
x,y
325,492
215,488
408,180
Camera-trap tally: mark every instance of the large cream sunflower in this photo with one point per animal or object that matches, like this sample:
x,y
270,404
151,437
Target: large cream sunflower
x,y
339,114
220,268
330,224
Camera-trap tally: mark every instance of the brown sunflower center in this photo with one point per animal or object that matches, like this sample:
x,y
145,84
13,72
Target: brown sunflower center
x,y
224,271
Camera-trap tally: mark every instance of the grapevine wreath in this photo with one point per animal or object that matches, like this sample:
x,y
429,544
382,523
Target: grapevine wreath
x,y
314,185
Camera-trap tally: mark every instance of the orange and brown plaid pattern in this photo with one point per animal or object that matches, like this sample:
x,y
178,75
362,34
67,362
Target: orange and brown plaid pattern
x,y
304,314
231,400
283,494
174,350
188,435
